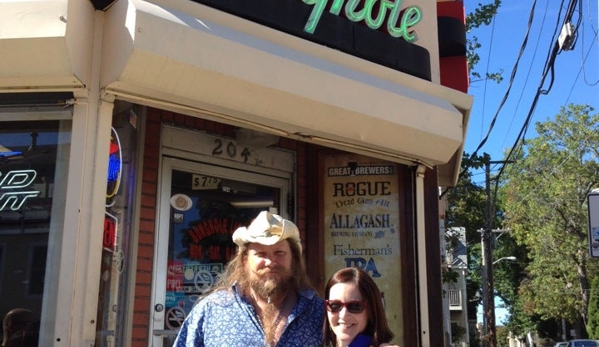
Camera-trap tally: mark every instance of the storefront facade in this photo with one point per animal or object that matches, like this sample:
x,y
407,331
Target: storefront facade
x,y
136,136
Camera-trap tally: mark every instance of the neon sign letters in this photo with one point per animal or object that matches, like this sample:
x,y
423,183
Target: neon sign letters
x,y
14,189
115,165
409,17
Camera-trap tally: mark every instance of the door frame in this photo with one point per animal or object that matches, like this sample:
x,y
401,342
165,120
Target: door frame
x,y
176,155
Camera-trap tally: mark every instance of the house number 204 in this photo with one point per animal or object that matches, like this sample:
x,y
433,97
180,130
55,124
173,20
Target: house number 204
x,y
229,149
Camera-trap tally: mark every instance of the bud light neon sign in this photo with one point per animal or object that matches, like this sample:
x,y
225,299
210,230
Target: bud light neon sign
x,y
14,189
115,165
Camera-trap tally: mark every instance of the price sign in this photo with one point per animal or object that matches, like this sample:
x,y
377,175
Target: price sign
x,y
201,182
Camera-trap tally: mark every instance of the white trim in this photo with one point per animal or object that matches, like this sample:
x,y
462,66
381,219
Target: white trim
x,y
30,114
198,146
422,291
80,258
131,279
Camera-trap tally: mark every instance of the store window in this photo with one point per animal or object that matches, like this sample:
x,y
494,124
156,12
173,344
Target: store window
x,y
33,166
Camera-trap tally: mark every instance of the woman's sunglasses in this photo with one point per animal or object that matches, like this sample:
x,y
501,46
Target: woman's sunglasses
x,y
354,306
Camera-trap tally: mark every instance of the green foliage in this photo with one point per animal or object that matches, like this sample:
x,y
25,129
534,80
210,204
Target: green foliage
x,y
474,338
482,15
457,332
545,207
449,276
466,208
521,322
502,336
593,322
466,202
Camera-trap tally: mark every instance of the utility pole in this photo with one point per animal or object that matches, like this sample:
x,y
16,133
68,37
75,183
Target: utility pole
x,y
489,333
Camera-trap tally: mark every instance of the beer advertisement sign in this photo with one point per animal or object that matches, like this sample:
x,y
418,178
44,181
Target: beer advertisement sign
x,y
361,224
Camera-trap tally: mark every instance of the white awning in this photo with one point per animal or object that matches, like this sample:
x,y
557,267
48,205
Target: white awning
x,y
243,73
203,62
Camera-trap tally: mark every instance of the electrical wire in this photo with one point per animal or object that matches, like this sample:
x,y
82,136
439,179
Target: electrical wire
x,y
482,119
511,82
534,54
591,46
514,70
582,71
547,71
549,68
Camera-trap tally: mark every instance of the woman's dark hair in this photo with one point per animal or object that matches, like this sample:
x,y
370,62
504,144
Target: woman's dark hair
x,y
377,326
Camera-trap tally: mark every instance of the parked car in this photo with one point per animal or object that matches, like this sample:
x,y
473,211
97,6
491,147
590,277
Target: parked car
x,y
582,343
561,344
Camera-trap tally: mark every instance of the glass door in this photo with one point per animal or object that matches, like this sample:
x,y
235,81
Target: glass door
x,y
201,205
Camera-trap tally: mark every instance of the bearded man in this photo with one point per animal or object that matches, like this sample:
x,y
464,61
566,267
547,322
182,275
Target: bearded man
x,y
264,297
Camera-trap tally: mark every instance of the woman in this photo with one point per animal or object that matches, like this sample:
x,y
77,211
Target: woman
x,y
355,314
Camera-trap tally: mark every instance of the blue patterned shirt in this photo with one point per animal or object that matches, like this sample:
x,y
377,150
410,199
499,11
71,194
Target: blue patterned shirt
x,y
226,319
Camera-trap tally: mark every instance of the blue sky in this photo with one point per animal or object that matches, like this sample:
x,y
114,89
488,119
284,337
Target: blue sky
x,y
576,72
576,75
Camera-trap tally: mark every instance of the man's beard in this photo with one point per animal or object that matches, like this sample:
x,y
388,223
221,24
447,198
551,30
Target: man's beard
x,y
271,288
267,285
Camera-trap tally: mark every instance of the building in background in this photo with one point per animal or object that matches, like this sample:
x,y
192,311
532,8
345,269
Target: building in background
x,y
136,136
456,298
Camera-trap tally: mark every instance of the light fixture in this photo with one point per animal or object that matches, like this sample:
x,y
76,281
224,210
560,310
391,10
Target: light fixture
x,y
510,258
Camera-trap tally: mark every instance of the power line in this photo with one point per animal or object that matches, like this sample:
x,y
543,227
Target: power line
x,y
482,120
591,46
511,82
514,70
529,70
549,68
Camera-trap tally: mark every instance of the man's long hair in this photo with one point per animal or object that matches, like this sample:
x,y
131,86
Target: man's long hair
x,y
236,269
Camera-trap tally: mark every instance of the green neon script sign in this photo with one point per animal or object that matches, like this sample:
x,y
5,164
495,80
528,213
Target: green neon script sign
x,y
410,17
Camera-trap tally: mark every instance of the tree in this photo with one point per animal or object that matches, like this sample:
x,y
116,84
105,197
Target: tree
x,y
545,207
593,325
507,274
466,200
482,15
503,334
466,208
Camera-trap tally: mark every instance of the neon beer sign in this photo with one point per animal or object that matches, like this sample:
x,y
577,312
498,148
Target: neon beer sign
x,y
396,26
115,166
14,189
